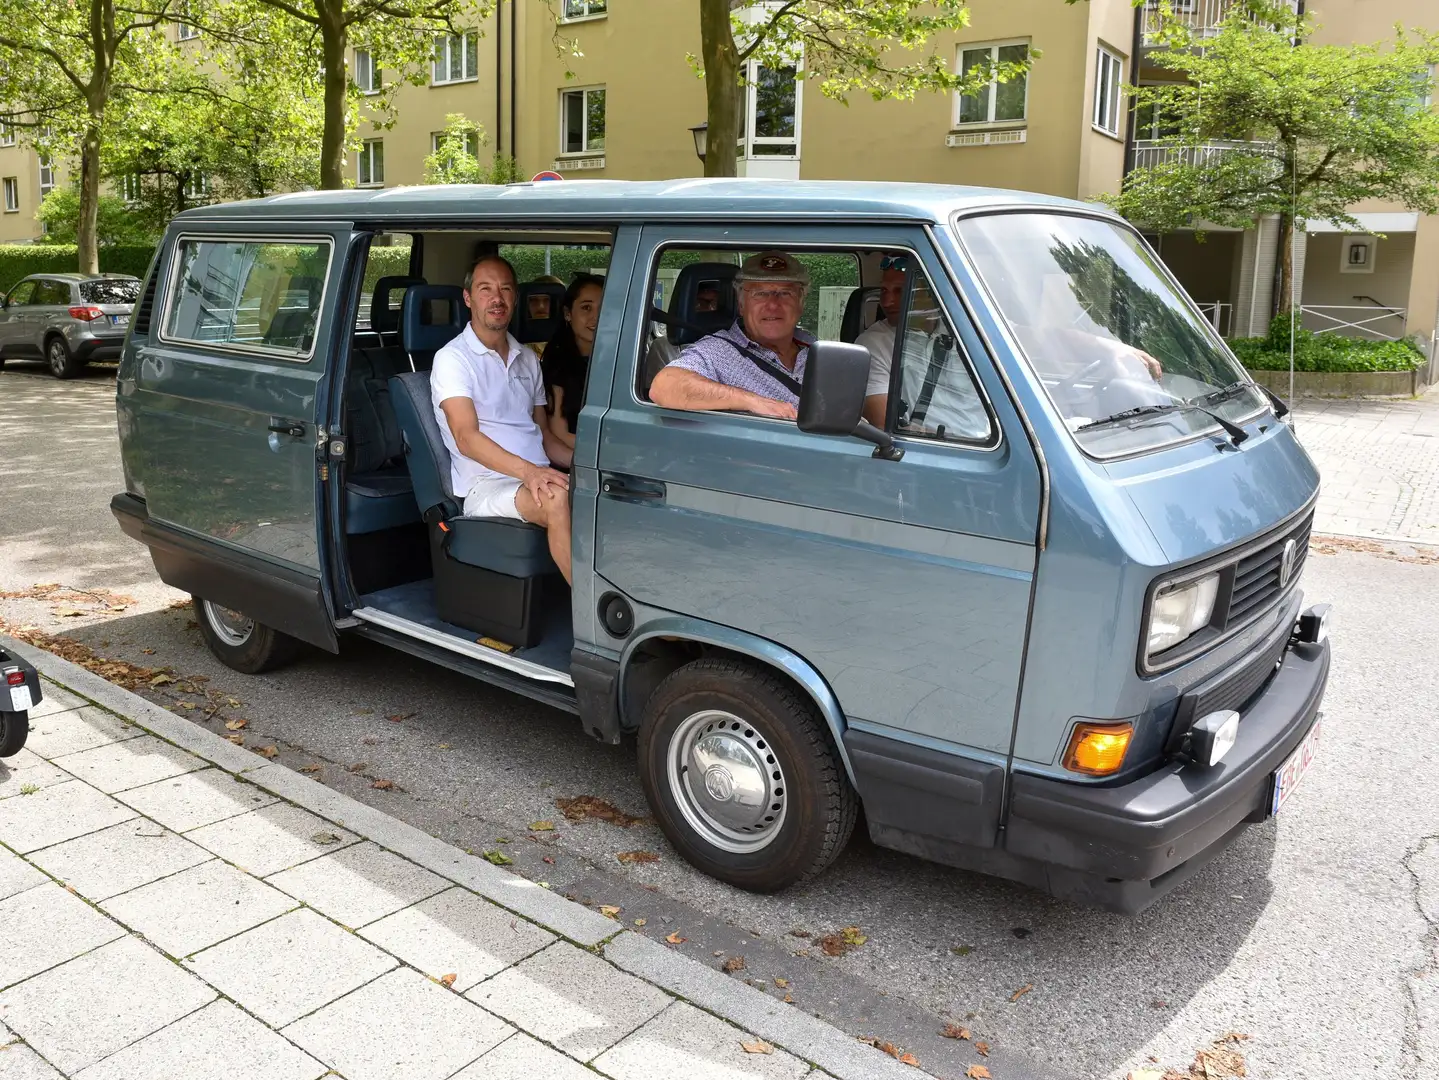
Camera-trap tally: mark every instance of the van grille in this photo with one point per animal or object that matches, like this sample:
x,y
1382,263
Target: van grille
x,y
140,324
1257,578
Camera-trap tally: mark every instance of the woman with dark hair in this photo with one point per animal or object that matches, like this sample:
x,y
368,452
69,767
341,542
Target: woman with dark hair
x,y
567,356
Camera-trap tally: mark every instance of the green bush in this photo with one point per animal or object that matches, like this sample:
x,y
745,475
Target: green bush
x,y
1323,352
20,260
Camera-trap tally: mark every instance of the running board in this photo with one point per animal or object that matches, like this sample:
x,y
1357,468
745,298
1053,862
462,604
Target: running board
x,y
473,650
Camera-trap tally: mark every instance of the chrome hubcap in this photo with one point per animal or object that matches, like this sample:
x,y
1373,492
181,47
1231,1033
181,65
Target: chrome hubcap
x,y
727,781
230,626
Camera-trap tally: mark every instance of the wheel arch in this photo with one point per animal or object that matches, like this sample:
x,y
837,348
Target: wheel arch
x,y
665,644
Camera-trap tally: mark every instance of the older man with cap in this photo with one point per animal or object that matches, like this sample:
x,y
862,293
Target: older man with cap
x,y
757,364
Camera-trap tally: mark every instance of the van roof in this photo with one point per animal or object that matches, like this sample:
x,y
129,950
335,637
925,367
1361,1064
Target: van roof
x,y
590,200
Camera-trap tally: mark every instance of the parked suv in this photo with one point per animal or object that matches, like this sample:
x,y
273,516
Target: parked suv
x,y
68,319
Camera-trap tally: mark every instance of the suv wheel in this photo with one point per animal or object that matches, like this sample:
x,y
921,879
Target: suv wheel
x,y
239,642
57,355
14,727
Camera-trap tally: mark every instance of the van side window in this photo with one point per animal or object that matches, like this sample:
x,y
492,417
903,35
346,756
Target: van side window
x,y
388,266
254,294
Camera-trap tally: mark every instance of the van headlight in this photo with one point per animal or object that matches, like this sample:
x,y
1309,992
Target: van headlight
x,y
1180,611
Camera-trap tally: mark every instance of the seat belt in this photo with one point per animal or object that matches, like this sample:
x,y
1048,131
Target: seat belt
x,y
931,378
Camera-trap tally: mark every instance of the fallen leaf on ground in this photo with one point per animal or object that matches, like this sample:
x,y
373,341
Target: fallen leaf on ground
x,y
70,613
548,858
238,740
395,718
268,751
382,785
838,944
148,652
962,950
449,980
782,983
311,768
359,766
977,1072
954,1031
799,933
675,939
641,922
630,858
1145,1074
609,911
503,840
233,725
733,964
234,703
982,1048
499,858
444,746
756,1047
325,838
542,826
788,1000
1026,988
187,705
161,680
590,806
909,1059
1218,1062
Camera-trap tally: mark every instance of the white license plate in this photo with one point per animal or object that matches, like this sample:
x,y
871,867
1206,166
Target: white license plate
x,y
120,320
1288,775
20,698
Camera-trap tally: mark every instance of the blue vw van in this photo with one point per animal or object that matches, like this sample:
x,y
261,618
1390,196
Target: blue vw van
x,y
1043,621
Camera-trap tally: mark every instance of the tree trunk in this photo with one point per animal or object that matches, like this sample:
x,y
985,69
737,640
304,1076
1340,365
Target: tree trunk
x,y
87,237
721,64
1284,298
334,36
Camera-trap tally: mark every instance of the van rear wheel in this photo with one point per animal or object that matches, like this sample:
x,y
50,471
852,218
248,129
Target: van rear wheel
x,y
14,729
740,771
240,642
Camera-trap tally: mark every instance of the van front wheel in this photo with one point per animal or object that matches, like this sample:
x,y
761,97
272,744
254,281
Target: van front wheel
x,y
740,771
240,642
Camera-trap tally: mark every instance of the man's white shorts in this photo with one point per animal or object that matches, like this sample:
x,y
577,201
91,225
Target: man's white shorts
x,y
493,497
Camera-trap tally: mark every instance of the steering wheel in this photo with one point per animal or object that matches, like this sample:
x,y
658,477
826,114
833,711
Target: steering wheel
x,y
1083,373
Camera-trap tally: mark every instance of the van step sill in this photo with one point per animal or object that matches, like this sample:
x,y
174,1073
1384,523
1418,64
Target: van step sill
x,y
473,650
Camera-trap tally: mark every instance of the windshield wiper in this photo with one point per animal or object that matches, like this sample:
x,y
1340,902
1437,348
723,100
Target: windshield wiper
x,y
1222,394
1236,433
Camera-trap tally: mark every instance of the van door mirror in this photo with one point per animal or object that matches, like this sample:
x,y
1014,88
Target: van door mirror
x,y
831,400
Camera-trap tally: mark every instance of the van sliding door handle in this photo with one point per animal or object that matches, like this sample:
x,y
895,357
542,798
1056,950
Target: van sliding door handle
x,y
292,429
629,487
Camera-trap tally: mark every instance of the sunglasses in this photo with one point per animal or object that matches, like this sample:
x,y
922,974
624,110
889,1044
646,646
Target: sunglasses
x,y
894,262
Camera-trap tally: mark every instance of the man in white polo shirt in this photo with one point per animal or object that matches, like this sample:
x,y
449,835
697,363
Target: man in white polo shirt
x,y
489,401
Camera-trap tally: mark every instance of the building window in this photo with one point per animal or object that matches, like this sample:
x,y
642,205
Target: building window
x,y
582,121
472,143
998,102
1108,79
47,177
769,112
457,58
585,9
7,135
372,163
186,32
367,73
130,189
12,194
197,186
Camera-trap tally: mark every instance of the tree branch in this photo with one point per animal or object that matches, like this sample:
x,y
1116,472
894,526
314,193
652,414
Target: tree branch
x,y
773,21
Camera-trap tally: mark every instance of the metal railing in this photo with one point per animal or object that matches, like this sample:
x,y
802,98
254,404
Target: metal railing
x,y
1220,316
1370,323
1202,17
1151,152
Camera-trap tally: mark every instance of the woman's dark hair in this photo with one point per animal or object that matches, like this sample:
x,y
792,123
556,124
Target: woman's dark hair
x,y
562,364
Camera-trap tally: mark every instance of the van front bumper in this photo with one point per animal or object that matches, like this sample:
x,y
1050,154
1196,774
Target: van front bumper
x,y
1124,847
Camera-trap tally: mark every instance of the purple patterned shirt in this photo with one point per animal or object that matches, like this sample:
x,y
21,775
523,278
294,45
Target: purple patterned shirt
x,y
719,361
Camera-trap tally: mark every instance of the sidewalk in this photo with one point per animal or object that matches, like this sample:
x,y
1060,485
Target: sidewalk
x,y
174,906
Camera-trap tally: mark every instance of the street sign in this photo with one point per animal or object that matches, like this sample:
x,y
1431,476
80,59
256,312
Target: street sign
x,y
547,175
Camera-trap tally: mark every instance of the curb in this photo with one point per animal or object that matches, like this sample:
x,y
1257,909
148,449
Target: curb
x,y
786,1026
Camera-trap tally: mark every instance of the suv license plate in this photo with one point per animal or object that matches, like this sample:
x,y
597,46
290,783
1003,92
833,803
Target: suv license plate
x,y
120,320
1288,775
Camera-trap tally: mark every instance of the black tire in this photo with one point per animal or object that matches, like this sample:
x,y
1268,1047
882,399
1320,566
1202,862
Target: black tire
x,y
58,358
241,643
772,724
14,728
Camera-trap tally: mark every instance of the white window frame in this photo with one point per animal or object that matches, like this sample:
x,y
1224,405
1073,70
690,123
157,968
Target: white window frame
x,y
185,32
197,186
368,76
993,46
1108,90
130,188
748,140
7,135
47,177
587,10
472,143
587,150
449,41
12,194
367,158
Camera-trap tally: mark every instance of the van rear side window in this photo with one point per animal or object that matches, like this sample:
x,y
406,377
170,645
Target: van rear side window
x,y
250,294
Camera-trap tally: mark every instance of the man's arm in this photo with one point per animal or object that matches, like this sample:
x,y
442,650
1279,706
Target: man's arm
x,y
679,388
556,449
477,446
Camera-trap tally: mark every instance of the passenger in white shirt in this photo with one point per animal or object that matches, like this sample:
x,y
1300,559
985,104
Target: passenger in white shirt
x,y
489,401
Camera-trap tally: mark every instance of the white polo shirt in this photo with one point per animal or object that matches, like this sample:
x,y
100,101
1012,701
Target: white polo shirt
x,y
954,402
505,392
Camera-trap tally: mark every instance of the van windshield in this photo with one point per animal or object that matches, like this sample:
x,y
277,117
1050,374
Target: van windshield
x,y
1127,362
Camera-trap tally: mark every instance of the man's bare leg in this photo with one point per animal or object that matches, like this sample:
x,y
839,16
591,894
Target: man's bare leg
x,y
553,513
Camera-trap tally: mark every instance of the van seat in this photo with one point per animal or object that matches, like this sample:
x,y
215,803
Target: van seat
x,y
378,493
421,338
685,306
860,310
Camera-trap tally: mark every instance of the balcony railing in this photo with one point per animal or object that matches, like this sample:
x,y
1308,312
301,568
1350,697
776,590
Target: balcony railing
x,y
1151,152
1367,323
1202,17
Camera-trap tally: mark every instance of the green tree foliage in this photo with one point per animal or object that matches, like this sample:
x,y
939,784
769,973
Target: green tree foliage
x,y
1265,123
456,160
115,223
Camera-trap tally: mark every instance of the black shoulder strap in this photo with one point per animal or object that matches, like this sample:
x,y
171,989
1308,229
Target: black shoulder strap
x,y
774,371
937,350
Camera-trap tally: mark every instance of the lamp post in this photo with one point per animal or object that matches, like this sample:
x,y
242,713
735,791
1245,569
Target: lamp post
x,y
701,134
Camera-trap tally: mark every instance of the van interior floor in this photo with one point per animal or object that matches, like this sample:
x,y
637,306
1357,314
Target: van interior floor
x,y
415,602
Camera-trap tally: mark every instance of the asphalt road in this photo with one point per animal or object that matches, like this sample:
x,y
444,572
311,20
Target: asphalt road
x,y
1314,935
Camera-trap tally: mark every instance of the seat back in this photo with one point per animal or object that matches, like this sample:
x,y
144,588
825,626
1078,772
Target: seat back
x,y
385,316
370,418
537,312
425,453
861,309
691,281
421,338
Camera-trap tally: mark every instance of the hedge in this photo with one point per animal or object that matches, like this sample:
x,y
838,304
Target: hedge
x,y
1324,352
21,260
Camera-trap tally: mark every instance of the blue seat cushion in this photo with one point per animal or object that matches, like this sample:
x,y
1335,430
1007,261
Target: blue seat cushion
x,y
503,545
382,499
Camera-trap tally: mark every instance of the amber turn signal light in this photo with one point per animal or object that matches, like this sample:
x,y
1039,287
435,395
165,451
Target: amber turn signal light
x,y
1098,749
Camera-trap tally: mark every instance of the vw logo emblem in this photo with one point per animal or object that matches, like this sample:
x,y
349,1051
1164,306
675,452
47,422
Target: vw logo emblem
x,y
719,783
1286,562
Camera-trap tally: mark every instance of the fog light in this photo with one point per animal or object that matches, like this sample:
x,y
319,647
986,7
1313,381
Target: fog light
x,y
1314,624
1097,749
1213,736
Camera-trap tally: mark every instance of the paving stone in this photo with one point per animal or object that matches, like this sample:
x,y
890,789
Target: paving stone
x,y
683,1041
196,908
271,839
45,926
360,884
124,991
57,734
571,999
522,1058
16,875
290,966
19,1062
400,1025
54,699
200,798
57,814
129,764
27,770
219,1042
123,857
457,932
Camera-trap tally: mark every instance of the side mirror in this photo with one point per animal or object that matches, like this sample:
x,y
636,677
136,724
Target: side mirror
x,y
831,401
